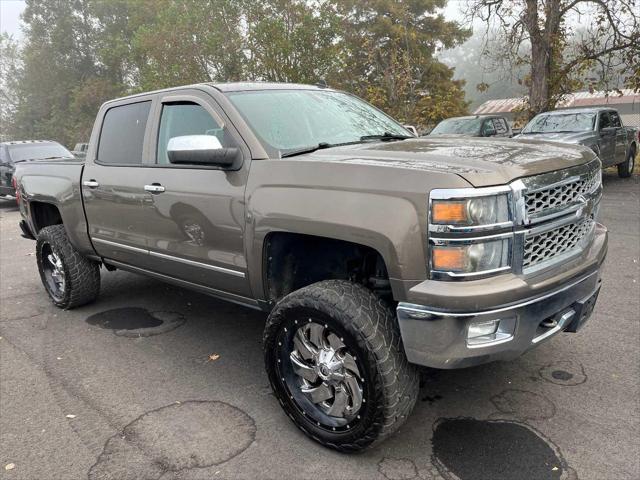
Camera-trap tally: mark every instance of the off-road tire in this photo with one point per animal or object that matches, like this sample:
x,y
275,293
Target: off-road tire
x,y
370,328
625,169
82,275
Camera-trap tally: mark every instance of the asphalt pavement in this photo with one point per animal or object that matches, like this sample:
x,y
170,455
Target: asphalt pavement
x,y
178,390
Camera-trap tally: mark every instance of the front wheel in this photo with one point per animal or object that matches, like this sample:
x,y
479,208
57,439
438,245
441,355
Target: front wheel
x,y
625,169
69,278
336,363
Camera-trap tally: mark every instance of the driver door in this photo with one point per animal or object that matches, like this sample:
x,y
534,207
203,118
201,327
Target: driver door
x,y
607,142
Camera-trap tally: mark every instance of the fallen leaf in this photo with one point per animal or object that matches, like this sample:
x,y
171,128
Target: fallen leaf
x,y
10,466
213,357
71,416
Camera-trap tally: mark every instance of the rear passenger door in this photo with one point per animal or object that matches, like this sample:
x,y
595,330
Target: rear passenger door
x,y
198,216
112,183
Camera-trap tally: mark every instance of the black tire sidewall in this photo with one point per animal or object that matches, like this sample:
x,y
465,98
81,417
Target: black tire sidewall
x,y
365,430
46,238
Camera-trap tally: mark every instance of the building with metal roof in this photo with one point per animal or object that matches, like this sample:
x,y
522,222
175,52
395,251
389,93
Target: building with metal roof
x,y
626,101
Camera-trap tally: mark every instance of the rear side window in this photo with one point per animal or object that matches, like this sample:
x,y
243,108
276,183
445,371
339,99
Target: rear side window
x,y
122,134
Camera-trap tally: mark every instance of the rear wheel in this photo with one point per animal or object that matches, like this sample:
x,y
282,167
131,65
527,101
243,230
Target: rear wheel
x,y
336,363
69,278
625,169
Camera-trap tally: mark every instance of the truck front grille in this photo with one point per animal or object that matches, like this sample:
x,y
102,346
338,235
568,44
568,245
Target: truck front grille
x,y
558,196
549,245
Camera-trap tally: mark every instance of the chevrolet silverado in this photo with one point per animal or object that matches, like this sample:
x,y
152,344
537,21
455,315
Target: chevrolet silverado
x,y
373,251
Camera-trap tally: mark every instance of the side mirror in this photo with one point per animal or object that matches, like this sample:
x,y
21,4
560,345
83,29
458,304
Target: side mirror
x,y
200,150
608,131
412,129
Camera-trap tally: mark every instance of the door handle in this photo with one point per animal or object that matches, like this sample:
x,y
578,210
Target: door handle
x,y
154,188
91,183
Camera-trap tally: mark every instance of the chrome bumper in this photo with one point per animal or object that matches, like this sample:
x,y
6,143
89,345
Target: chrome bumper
x,y
438,339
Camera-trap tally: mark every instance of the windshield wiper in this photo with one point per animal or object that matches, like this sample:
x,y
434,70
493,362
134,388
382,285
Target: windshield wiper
x,y
386,136
309,149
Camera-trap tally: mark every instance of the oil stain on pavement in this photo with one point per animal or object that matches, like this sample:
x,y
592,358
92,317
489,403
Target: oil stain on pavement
x,y
564,372
470,449
136,321
178,437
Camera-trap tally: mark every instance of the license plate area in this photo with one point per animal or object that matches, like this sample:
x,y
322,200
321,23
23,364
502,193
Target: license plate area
x,y
584,309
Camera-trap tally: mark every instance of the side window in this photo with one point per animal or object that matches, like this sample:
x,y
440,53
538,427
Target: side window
x,y
488,129
615,119
605,120
500,126
187,118
122,134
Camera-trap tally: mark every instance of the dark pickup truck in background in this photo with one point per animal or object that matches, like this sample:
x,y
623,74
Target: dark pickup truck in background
x,y
372,251
15,152
474,126
600,129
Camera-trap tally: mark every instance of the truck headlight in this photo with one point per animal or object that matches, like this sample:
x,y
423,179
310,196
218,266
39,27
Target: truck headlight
x,y
475,257
485,210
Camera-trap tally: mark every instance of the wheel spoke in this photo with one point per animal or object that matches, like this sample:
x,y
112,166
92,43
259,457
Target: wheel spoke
x,y
316,335
355,392
52,260
340,403
302,369
350,364
334,341
302,345
318,394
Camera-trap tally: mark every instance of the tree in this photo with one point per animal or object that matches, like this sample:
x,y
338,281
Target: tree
x,y
9,74
291,40
560,40
388,56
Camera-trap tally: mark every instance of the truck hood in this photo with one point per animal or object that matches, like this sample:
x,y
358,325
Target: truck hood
x,y
564,137
480,161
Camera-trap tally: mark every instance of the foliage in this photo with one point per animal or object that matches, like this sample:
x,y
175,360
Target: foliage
x,y
566,45
388,52
79,53
9,72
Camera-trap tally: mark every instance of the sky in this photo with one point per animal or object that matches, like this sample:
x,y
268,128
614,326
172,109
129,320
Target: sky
x,y
10,11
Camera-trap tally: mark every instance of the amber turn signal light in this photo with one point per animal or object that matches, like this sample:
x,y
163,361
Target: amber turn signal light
x,y
448,258
449,212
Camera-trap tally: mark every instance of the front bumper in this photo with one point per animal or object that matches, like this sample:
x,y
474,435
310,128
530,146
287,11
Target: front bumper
x,y
437,337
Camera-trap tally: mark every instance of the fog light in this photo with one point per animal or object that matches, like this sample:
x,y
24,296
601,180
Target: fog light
x,y
483,328
490,332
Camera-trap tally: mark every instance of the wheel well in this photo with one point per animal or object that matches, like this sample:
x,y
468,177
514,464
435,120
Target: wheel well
x,y
293,261
44,215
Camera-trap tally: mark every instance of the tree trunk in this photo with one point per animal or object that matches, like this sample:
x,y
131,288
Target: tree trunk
x,y
539,100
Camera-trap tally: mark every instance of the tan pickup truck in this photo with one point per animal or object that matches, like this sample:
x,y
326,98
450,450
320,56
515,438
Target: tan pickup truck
x,y
373,251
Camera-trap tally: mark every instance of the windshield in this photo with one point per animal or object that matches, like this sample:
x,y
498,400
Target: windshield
x,y
286,120
36,151
465,126
566,122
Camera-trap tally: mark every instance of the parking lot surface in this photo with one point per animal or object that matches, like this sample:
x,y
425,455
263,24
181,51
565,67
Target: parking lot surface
x,y
156,382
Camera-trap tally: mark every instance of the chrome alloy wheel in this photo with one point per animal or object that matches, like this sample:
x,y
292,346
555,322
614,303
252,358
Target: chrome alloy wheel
x,y
325,375
54,271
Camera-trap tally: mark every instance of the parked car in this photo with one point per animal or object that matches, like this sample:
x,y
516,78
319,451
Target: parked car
x,y
372,251
80,150
20,151
600,129
474,126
